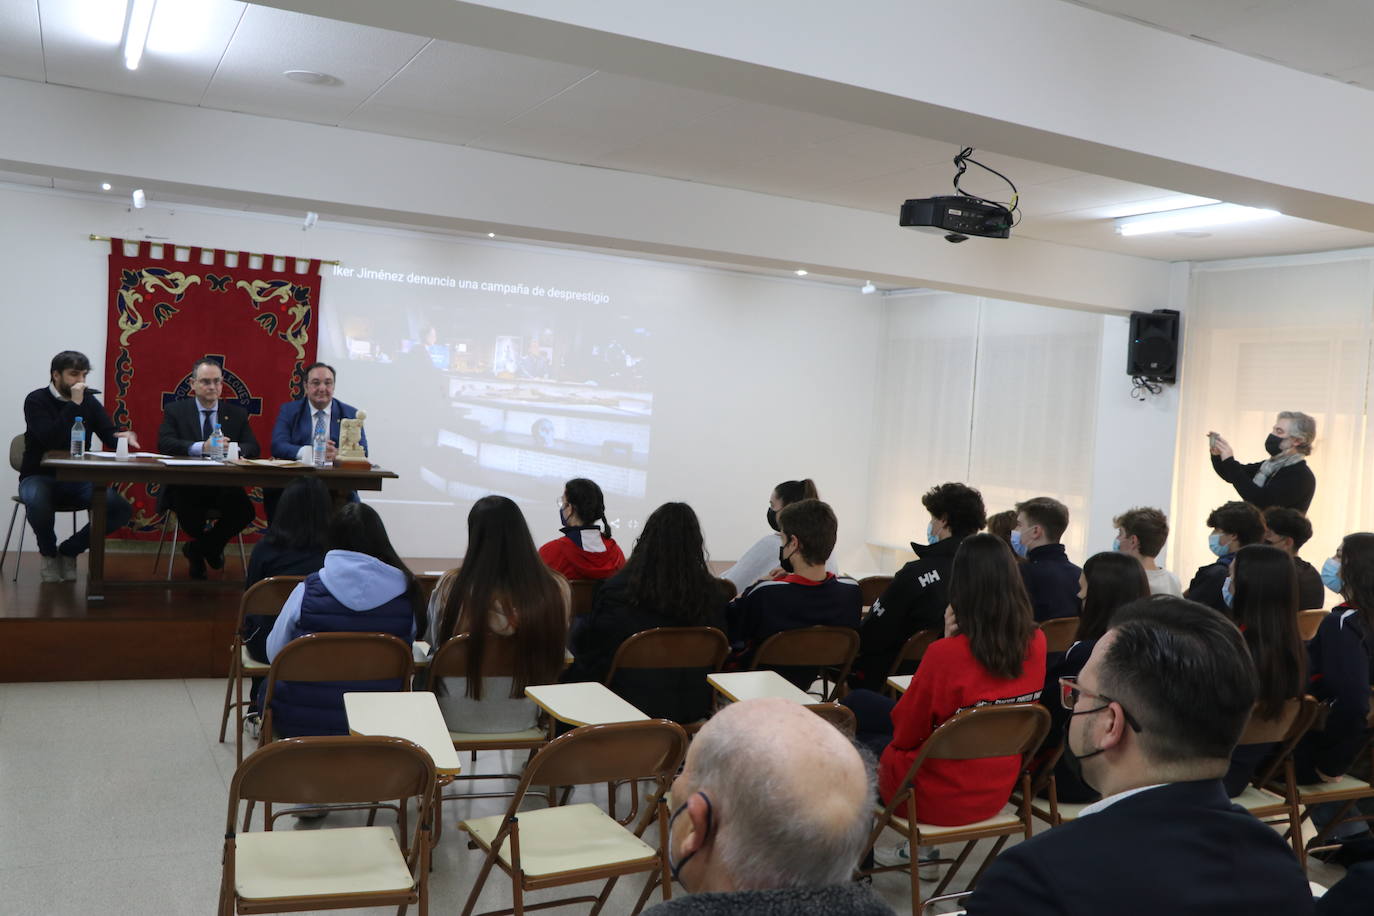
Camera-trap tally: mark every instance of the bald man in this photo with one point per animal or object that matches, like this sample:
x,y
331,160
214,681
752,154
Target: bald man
x,y
770,815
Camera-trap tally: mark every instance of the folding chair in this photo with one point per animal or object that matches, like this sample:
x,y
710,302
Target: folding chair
x,y
333,658
451,661
1060,633
693,649
842,717
912,651
583,591
1272,795
169,516
569,844
274,871
818,648
872,588
264,598
1347,789
16,461
727,589
1048,809
1014,730
1309,621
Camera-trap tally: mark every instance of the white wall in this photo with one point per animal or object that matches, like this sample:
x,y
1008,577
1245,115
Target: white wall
x,y
760,379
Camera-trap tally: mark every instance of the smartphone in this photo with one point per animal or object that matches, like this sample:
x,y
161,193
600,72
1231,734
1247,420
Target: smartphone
x,y
1212,440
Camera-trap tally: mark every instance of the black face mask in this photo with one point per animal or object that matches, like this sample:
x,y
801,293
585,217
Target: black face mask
x,y
773,519
784,562
1074,761
676,867
1273,445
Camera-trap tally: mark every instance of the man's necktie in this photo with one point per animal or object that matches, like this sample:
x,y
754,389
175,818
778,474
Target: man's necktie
x,y
319,423
205,427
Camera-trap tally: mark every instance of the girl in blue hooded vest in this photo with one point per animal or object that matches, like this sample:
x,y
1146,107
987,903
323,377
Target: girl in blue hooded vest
x,y
363,587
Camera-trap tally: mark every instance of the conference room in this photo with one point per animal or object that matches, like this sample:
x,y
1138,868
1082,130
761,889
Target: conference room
x,y
655,249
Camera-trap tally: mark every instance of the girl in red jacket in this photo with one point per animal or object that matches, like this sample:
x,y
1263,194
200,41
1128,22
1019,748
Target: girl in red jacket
x,y
584,550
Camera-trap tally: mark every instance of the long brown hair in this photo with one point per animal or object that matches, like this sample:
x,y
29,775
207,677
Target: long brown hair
x,y
1114,580
991,605
1357,576
502,567
1265,607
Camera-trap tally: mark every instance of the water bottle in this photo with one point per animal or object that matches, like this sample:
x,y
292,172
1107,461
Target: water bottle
x,y
217,444
78,439
319,444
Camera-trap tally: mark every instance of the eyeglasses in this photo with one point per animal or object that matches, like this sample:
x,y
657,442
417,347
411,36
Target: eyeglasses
x,y
1069,692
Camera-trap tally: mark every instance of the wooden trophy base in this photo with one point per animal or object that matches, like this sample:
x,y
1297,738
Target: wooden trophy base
x,y
353,463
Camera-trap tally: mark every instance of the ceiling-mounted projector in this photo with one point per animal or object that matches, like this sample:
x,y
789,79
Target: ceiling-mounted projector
x,y
956,217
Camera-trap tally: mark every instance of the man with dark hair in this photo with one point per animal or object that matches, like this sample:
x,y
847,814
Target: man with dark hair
x,y
49,415
916,599
1234,525
1050,578
1141,533
293,435
1156,713
804,596
1288,530
187,426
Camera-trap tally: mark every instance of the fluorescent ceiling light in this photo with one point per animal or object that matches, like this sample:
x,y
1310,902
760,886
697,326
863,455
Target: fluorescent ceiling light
x,y
1154,205
1191,218
101,21
136,32
799,272
189,27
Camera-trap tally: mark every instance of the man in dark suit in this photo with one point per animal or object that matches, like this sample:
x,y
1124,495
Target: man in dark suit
x,y
1156,713
186,428
293,435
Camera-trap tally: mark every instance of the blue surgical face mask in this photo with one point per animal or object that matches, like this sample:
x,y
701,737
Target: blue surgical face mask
x,y
1331,575
1226,594
1116,545
931,536
1218,548
1016,543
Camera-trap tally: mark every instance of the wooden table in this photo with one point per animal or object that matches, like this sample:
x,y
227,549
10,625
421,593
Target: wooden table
x,y
900,682
753,685
101,471
412,715
587,703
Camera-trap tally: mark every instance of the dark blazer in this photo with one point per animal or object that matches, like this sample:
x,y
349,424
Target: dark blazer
x,y
1206,585
1291,487
1180,848
1052,582
181,428
293,428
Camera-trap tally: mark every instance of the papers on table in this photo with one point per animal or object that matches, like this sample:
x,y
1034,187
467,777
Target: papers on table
x,y
188,462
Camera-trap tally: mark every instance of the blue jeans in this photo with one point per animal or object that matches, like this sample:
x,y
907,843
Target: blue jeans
x,y
45,496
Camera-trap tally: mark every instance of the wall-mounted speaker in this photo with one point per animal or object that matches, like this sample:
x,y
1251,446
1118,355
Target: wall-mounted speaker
x,y
1153,349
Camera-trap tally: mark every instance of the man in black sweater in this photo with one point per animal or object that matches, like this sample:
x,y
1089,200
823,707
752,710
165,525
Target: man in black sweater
x,y
49,414
1234,525
1050,578
1288,530
918,595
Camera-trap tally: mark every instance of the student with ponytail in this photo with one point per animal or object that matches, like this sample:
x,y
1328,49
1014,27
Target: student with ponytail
x,y
585,550
762,558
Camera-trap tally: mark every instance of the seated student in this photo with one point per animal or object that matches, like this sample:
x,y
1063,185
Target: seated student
x,y
992,653
666,583
1141,533
1262,594
1288,530
1340,660
363,588
1234,525
761,559
1109,582
1051,580
916,598
502,589
805,596
1003,524
584,551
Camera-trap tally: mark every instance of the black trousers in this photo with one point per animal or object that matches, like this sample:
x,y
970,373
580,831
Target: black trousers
x,y
192,504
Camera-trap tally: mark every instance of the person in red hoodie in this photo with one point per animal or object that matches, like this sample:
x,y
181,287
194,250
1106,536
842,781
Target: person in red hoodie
x,y
992,653
585,550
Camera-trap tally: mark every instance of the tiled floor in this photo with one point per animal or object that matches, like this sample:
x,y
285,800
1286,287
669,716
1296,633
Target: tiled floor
x,y
113,799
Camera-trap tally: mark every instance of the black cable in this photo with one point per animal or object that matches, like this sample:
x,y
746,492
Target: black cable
x,y
1142,386
961,164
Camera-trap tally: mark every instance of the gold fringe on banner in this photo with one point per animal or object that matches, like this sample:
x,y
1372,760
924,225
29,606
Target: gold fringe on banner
x,y
105,238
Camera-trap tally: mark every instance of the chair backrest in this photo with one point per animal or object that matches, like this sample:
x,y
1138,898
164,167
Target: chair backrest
x,y
914,649
451,660
340,769
17,453
872,588
1285,730
583,591
1309,621
671,647
1059,633
988,731
266,596
647,749
818,646
727,589
426,583
341,657
842,717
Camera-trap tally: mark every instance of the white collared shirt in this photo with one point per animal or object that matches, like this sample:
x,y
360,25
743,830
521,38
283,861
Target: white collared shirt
x,y
57,394
306,453
1104,803
197,449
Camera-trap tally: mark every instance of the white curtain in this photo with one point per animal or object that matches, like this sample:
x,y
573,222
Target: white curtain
x,y
1000,395
1259,338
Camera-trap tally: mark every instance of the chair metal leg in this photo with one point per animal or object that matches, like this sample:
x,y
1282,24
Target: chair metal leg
x,y
13,515
243,557
161,536
19,551
172,548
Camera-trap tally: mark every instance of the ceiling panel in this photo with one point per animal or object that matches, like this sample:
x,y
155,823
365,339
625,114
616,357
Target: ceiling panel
x,y
21,43
41,181
270,41
81,45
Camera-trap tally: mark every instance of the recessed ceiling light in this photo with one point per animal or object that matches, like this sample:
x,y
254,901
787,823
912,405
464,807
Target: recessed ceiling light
x,y
104,186
311,77
799,272
491,235
868,287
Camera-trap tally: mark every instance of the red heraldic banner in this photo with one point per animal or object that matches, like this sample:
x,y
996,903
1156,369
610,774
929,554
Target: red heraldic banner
x,y
166,314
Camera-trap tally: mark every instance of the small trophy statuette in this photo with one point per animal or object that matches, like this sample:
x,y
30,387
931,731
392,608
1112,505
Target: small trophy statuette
x,y
350,453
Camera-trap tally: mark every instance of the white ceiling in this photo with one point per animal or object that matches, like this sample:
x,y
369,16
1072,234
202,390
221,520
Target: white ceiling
x,y
230,55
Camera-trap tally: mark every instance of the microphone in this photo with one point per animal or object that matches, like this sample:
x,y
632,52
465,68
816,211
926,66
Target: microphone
x,y
93,391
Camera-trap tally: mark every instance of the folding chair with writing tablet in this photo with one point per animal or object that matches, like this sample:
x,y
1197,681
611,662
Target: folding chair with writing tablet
x,y
570,844
1013,730
872,588
829,650
1060,633
1346,789
1272,795
913,650
264,598
274,871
